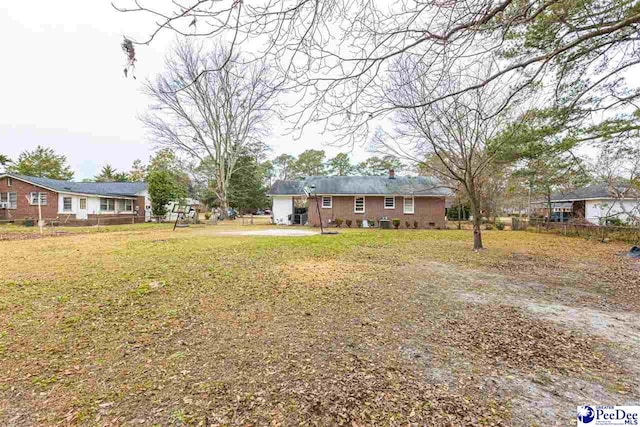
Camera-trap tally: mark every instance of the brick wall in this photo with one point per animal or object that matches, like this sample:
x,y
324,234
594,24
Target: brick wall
x,y
25,209
428,211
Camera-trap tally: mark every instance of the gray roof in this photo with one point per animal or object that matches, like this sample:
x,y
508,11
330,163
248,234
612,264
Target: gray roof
x,y
595,191
363,185
126,189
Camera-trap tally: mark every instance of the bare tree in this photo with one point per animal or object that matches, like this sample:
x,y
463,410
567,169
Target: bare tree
x,y
452,137
337,54
214,119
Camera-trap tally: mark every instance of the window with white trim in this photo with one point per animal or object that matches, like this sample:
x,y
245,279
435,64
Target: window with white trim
x,y
83,204
38,199
66,204
13,200
125,205
107,205
389,202
9,182
358,204
408,205
327,202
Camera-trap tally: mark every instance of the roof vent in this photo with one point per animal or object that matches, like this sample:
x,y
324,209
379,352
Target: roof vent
x,y
392,174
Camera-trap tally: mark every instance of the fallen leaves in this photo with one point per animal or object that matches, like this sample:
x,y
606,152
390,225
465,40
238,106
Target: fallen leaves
x,y
507,338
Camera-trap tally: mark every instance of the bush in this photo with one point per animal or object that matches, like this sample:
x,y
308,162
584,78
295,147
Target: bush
x,y
372,223
396,223
615,222
207,216
407,224
348,222
500,225
339,222
415,224
488,226
359,222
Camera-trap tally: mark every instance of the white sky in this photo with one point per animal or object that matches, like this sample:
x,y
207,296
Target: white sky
x,y
63,85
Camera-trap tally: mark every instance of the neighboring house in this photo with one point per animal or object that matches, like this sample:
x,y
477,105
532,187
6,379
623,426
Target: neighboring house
x,y
410,199
596,204
72,202
193,205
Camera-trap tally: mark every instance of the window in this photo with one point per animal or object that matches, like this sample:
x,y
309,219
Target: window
x,y
9,182
13,200
358,204
108,205
35,197
125,205
389,202
407,206
66,204
83,204
327,202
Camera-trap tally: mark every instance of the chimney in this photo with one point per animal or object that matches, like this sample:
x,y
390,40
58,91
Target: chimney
x,y
392,174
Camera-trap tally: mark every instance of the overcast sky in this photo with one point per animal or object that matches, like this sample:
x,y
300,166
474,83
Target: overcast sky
x,y
63,85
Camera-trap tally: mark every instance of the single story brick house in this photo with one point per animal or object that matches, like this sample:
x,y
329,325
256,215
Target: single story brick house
x,y
420,199
72,202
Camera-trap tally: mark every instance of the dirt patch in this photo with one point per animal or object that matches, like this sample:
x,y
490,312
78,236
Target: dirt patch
x,y
536,344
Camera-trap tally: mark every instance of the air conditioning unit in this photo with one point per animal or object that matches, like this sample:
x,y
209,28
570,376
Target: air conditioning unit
x,y
4,205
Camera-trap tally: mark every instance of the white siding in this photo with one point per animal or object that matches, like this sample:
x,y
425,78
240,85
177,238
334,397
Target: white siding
x,y
74,204
282,208
93,205
597,210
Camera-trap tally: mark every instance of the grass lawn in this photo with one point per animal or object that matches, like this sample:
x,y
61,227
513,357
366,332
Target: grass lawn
x,y
139,325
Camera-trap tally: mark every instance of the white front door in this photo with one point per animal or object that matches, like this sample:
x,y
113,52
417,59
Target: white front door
x,y
82,209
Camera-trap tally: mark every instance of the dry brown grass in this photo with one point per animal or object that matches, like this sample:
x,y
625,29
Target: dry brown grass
x,y
146,326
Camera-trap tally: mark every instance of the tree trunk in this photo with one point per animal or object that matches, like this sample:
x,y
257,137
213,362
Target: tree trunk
x,y
477,232
549,210
224,209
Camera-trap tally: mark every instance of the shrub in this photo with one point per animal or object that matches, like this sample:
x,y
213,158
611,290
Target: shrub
x,y
348,222
359,222
615,222
372,222
488,226
339,222
499,225
207,216
415,224
396,223
407,224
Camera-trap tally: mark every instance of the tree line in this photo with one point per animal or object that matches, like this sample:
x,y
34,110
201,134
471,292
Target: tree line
x,y
314,163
